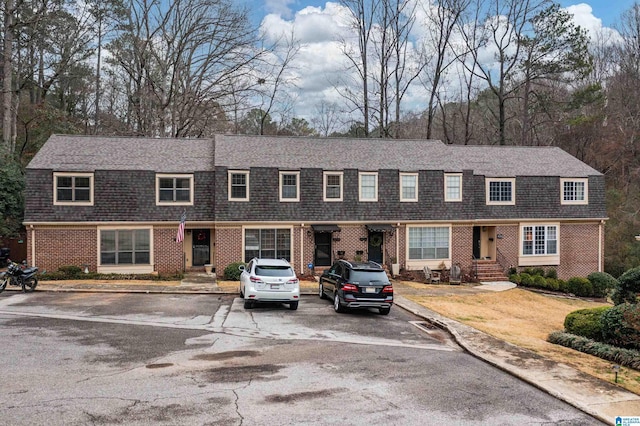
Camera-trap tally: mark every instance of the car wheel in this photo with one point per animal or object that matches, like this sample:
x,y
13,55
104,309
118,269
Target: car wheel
x,y
336,303
384,311
321,291
248,304
293,306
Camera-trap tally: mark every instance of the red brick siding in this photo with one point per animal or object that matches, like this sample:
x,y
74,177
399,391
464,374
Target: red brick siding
x,y
509,245
64,246
462,246
229,245
578,250
166,252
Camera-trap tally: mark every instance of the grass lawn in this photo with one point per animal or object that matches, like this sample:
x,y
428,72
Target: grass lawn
x,y
525,319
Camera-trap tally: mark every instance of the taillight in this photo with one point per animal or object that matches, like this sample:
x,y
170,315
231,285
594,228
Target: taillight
x,y
293,281
255,280
387,289
349,287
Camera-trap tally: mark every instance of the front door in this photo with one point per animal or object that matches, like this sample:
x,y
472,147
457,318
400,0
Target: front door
x,y
322,254
375,246
476,242
201,241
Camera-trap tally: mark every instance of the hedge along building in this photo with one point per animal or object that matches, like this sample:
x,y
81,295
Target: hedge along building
x,y
114,204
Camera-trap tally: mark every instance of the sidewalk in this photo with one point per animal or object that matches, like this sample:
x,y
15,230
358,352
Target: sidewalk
x,y
600,399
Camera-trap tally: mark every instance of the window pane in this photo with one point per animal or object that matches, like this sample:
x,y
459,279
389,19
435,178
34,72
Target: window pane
x,y
429,243
409,187
125,257
65,194
142,258
453,187
368,187
183,183
166,195
142,240
268,239
289,186
252,239
500,191
81,182
65,181
125,240
238,185
238,192
107,241
166,183
82,194
183,194
108,258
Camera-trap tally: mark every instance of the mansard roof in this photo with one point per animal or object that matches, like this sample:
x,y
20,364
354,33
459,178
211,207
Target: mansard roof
x,y
172,155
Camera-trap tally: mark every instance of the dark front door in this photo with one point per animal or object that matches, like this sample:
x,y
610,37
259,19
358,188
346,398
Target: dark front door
x,y
476,242
322,255
375,246
200,241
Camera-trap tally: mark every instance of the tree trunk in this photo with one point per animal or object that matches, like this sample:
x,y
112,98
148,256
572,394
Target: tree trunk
x,y
7,101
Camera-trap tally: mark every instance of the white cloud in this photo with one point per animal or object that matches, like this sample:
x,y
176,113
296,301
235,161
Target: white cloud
x,y
279,7
583,16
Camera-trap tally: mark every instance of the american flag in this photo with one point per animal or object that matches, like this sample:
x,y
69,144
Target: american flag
x,y
180,236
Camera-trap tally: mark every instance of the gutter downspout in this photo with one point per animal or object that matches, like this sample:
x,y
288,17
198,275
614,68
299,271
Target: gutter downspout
x,y
600,245
301,248
398,243
33,246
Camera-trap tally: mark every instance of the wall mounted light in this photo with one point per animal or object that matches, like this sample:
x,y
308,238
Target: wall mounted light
x,y
363,238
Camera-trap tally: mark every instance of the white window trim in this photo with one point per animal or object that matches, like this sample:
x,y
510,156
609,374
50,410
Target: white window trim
x,y
538,259
237,172
415,199
501,203
324,186
125,269
174,203
280,187
447,199
367,200
270,226
574,202
72,203
419,264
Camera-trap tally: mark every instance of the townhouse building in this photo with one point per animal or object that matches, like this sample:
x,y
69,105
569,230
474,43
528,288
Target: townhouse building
x,y
113,204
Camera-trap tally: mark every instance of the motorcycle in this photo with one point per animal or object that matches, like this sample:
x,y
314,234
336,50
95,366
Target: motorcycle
x,y
20,276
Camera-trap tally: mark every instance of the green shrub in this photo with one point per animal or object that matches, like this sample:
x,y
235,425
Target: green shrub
x,y
551,273
580,287
526,279
70,271
537,271
562,286
513,270
621,326
602,283
528,271
628,287
231,272
553,284
586,322
627,357
514,278
539,281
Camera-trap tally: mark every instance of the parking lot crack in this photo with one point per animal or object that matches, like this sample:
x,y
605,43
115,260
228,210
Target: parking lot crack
x,y
237,397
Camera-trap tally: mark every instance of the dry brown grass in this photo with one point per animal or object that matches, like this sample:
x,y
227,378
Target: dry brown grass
x,y
525,319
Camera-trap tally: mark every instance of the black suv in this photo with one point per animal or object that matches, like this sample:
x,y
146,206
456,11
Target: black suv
x,y
357,285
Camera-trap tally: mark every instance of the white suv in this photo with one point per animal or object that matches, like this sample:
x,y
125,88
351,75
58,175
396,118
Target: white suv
x,y
269,280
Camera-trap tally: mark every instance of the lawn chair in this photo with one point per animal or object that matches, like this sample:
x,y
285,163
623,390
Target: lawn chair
x,y
431,276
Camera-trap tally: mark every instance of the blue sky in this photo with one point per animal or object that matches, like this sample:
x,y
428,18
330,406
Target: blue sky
x,y
606,10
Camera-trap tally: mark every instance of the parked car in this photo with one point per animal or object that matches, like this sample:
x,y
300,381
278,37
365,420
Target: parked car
x,y
357,285
269,280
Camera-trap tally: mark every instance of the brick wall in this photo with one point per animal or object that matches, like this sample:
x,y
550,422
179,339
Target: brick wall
x,y
63,246
509,245
229,245
462,247
578,250
166,252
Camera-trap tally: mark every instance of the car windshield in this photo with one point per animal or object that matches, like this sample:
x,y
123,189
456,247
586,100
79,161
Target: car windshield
x,y
274,271
368,276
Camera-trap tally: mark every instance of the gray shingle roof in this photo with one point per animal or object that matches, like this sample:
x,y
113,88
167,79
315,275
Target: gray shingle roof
x,y
406,155
89,153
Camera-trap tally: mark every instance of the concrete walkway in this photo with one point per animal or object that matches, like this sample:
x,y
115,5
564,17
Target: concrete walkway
x,y
598,398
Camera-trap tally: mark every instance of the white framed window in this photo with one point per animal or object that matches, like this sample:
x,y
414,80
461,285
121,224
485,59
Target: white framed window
x,y
368,186
501,191
238,185
267,243
429,242
73,189
408,186
332,183
574,191
453,187
125,249
289,186
174,189
539,240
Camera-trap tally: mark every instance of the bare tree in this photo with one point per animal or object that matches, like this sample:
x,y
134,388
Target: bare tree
x,y
326,118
